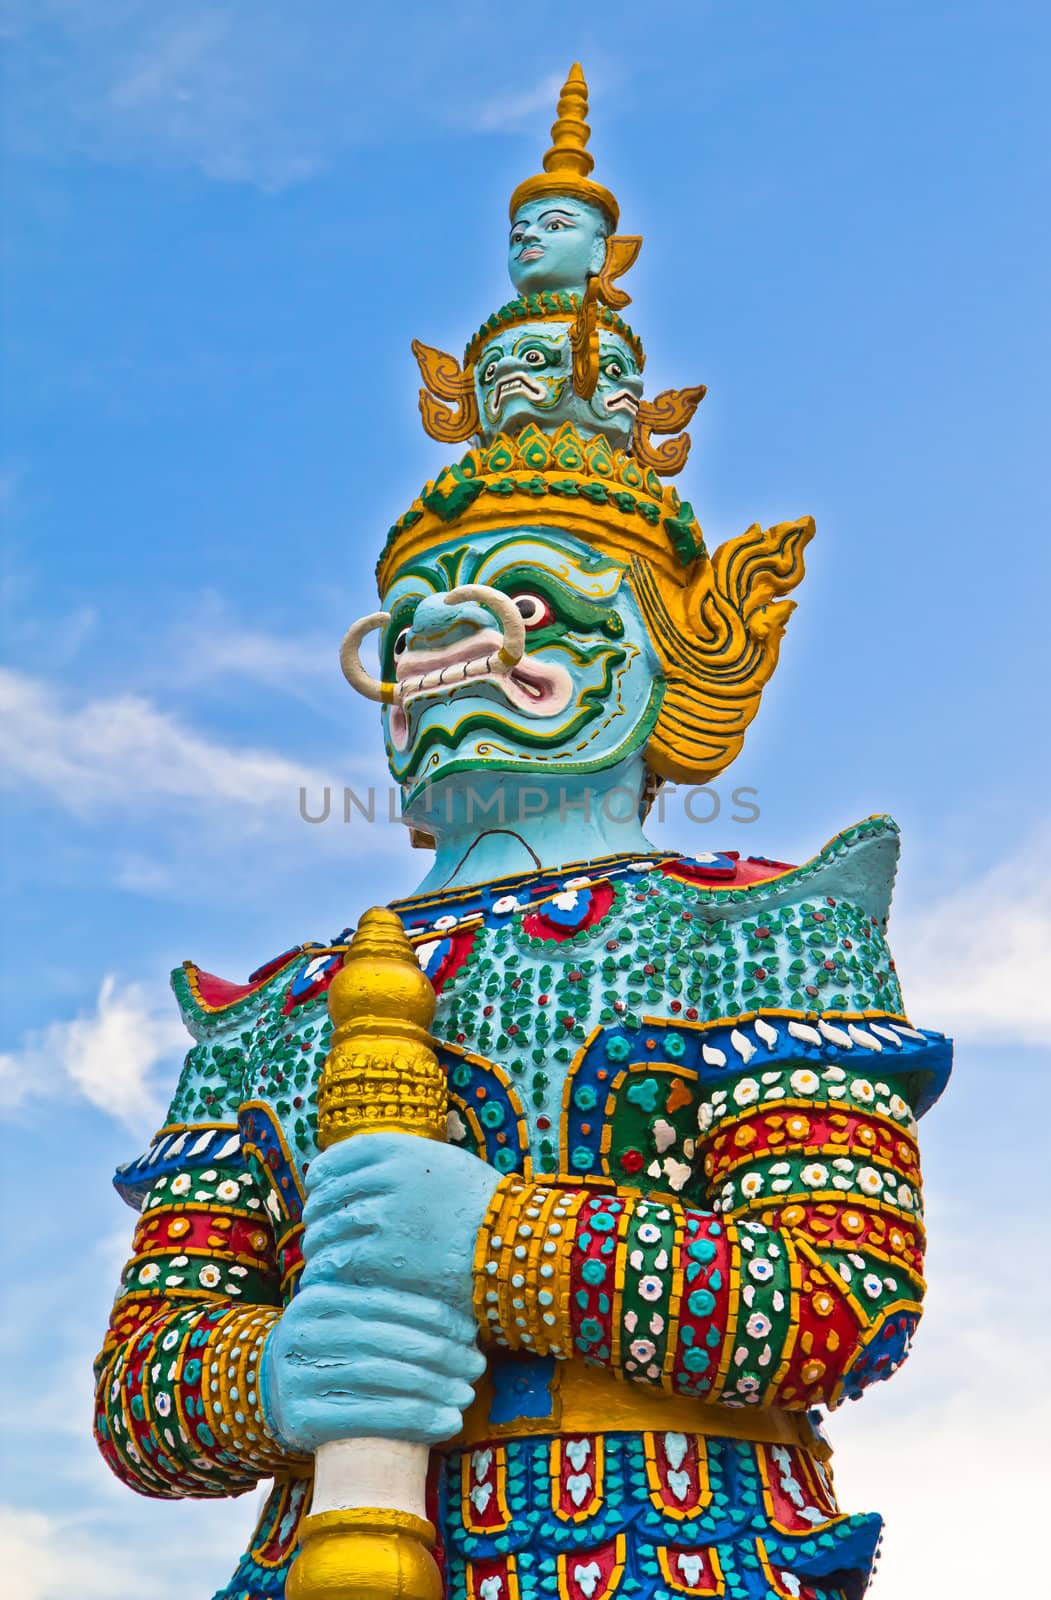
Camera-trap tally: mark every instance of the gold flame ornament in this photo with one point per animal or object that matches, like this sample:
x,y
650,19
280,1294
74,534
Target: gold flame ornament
x,y
583,342
444,381
667,412
622,252
381,1075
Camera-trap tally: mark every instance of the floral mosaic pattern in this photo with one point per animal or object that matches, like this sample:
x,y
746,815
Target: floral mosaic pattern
x,y
702,1073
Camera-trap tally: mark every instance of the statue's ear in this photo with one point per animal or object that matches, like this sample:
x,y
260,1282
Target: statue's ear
x,y
598,255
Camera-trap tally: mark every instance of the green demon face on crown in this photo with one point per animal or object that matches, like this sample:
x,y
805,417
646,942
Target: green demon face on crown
x,y
525,374
545,667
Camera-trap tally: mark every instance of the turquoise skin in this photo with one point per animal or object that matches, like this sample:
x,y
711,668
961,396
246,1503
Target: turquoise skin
x,y
613,407
556,243
328,1372
517,824
525,374
374,1210
352,1355
583,699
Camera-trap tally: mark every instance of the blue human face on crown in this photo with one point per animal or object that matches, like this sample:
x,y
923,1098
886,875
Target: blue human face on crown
x,y
583,696
525,374
555,243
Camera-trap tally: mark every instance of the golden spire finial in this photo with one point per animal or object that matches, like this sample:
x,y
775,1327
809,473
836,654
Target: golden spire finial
x,y
571,133
568,162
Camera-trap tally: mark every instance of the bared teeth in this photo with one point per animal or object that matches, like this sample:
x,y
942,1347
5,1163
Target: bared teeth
x,y
539,686
478,668
623,401
516,384
447,678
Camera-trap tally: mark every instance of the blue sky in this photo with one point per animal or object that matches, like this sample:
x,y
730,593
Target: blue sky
x,y
225,223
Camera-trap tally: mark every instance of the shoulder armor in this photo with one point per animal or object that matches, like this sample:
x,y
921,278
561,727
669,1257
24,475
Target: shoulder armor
x,y
211,1005
201,1126
174,1150
857,865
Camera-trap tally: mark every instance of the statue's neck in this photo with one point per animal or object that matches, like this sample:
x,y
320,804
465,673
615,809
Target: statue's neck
x,y
492,826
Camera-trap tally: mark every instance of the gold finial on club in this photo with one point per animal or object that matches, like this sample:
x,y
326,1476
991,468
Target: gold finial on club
x,y
380,1076
381,1073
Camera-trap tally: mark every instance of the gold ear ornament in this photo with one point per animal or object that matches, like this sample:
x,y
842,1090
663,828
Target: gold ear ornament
x,y
718,633
445,381
583,341
666,413
622,252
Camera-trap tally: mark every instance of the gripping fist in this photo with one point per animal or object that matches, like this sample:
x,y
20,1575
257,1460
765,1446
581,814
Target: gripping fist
x,y
389,1211
380,1338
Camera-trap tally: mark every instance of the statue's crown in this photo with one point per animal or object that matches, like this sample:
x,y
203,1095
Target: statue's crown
x,y
549,305
715,622
535,479
568,162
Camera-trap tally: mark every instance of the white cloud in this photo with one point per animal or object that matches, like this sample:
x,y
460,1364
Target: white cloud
x,y
252,91
221,89
260,92
262,657
44,1557
975,961
156,807
192,90
952,1452
515,112
532,108
122,751
158,1551
212,643
143,874
108,1056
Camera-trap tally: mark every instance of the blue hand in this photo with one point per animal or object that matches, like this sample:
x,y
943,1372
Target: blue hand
x,y
389,1211
344,1363
380,1339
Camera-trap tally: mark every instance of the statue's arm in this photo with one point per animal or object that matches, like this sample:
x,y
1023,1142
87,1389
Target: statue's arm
x,y
796,1283
177,1410
177,1402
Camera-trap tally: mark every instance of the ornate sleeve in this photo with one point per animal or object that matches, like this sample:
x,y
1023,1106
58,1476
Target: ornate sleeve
x,y
177,1404
795,1283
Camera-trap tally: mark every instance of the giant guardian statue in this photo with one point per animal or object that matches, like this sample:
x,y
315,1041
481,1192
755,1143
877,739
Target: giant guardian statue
x,y
523,1234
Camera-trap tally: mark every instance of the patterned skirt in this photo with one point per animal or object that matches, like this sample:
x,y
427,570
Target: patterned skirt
x,y
596,1516
668,1514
